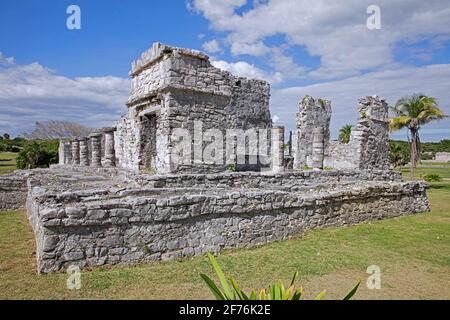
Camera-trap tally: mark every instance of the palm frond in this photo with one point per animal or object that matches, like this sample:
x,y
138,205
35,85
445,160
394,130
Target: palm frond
x,y
431,114
399,123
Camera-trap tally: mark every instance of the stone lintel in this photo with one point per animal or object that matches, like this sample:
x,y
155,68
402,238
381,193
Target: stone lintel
x,y
144,99
150,111
95,134
109,129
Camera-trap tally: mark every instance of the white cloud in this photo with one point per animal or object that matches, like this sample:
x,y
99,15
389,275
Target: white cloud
x,y
253,49
212,46
335,31
244,69
30,93
285,64
390,84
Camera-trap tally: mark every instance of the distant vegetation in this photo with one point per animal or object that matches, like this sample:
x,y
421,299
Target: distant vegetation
x,y
50,130
39,148
11,145
401,154
38,154
30,153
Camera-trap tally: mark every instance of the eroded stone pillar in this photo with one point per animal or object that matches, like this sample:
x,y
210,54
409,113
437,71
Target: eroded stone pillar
x,y
290,143
318,148
62,151
75,152
313,113
67,152
110,152
278,149
84,152
96,149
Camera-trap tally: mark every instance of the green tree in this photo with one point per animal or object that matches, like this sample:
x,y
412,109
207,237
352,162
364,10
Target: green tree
x,y
412,112
37,154
398,156
344,133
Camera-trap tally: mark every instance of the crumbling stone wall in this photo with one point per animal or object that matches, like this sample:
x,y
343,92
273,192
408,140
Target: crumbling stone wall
x,y
313,114
125,223
368,147
13,191
286,181
179,87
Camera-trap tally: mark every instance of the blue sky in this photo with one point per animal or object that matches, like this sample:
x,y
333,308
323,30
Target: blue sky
x,y
322,48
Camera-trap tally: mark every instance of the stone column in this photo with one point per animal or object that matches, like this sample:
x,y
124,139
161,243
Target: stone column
x,y
84,152
231,154
62,152
75,152
317,148
110,152
67,152
96,146
278,149
290,143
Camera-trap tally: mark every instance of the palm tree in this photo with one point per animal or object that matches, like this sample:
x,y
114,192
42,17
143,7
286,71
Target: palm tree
x,y
397,155
344,133
411,113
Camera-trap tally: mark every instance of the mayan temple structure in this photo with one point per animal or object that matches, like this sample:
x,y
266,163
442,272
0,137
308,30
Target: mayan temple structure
x,y
197,166
173,88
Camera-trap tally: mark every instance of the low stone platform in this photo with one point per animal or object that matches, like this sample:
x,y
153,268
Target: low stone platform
x,y
91,218
13,191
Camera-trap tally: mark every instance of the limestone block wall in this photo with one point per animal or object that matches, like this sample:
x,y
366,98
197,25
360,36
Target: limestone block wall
x,y
143,225
341,155
286,181
127,143
13,191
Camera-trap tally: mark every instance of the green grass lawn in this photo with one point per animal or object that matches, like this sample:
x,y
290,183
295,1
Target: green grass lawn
x,y
420,172
429,163
7,162
413,254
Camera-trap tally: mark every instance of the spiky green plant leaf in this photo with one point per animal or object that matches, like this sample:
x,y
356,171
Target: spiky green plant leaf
x,y
352,292
223,280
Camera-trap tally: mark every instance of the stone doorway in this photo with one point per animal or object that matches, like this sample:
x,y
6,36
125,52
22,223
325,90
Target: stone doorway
x,y
148,141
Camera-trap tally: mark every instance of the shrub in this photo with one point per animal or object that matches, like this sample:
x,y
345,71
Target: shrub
x,y
322,103
38,154
232,167
431,177
427,156
231,291
400,154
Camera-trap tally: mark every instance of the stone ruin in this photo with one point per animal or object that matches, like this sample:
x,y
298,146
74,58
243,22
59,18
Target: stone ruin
x,y
367,149
118,196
